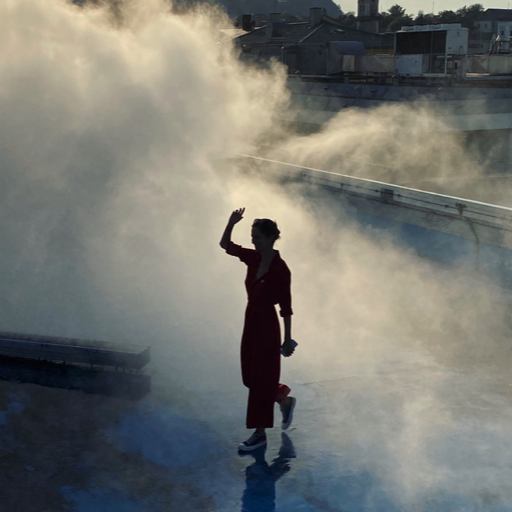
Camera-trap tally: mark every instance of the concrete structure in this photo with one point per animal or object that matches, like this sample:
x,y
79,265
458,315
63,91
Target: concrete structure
x,y
492,64
480,113
29,346
98,380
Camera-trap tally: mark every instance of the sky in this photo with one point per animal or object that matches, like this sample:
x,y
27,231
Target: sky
x,y
413,6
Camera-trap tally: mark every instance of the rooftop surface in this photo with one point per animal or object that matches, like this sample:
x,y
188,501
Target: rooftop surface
x,y
395,433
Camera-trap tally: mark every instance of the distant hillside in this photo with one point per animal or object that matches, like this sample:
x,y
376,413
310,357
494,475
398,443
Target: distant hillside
x,y
234,8
299,8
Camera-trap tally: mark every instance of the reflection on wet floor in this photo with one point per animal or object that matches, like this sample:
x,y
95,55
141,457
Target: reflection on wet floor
x,y
261,477
388,437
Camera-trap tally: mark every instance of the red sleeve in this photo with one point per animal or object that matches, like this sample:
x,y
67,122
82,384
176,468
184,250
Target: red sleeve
x,y
245,255
285,295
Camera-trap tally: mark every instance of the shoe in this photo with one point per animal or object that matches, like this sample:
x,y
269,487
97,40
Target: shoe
x,y
254,442
287,411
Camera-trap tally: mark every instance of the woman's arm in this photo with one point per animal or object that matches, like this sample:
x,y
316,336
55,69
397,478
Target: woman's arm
x,y
286,312
287,320
287,346
235,217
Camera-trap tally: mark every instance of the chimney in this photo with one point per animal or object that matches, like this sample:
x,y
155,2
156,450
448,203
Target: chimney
x,y
247,22
315,16
274,17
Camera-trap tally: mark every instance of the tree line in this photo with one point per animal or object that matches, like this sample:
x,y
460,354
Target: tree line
x,y
396,17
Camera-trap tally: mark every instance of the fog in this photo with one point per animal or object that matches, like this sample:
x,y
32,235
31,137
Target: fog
x,y
409,144
113,206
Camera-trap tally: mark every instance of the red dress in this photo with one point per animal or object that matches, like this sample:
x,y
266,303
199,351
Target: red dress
x,y
261,338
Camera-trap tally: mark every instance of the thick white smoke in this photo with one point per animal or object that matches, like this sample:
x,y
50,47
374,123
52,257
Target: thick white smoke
x,y
106,141
408,144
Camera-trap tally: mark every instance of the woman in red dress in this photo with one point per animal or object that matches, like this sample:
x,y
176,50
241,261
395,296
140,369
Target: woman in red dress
x,y
267,283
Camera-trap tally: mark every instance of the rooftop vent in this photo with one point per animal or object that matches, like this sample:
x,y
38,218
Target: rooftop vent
x,y
315,16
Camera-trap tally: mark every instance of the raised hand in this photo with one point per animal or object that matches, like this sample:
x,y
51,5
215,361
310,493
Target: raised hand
x,y
236,216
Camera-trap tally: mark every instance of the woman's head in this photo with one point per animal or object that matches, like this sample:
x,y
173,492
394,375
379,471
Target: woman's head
x,y
264,233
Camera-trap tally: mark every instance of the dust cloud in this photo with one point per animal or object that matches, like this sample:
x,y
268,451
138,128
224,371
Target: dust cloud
x,y
112,209
106,140
407,144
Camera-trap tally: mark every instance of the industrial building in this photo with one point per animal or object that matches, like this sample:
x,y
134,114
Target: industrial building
x,y
332,67
312,47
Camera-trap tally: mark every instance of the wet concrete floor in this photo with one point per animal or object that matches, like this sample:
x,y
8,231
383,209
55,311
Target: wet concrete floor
x,y
401,434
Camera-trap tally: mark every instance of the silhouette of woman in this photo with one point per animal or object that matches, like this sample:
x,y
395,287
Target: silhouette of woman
x,y
267,283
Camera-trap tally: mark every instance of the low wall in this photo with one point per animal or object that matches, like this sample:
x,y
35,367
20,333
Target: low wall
x,y
492,64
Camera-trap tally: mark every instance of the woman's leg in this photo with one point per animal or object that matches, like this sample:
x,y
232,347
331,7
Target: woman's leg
x,y
286,404
260,406
282,392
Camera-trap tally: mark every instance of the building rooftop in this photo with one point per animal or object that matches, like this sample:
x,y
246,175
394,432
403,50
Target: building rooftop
x,y
328,30
495,15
